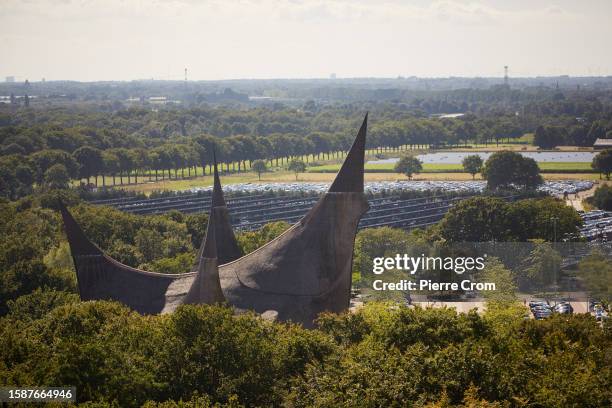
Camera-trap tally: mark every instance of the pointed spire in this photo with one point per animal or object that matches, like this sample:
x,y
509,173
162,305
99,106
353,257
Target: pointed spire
x,y
209,248
228,249
79,244
206,287
217,194
350,177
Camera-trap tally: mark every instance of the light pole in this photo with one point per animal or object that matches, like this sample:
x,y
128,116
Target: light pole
x,y
554,222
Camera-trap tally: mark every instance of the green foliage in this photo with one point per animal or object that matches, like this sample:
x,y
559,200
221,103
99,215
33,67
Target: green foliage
x,y
135,240
59,257
543,265
504,317
138,141
472,164
603,162
381,355
178,264
483,219
90,162
56,177
595,271
250,241
129,144
476,219
506,169
195,402
297,166
602,198
38,303
196,227
505,284
408,165
35,255
421,354
149,243
259,167
26,237
371,243
545,218
379,242
548,137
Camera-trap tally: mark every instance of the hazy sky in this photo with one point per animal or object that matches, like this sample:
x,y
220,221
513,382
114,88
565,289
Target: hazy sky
x,y
223,39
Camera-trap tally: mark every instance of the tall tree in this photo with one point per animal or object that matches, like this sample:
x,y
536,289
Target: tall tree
x,y
90,162
259,167
56,177
408,165
297,166
472,164
603,163
506,169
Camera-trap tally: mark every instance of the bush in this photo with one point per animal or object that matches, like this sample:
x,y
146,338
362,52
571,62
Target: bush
x,y
602,198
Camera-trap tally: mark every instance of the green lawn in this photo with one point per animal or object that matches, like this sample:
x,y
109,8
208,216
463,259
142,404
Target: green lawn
x,y
567,166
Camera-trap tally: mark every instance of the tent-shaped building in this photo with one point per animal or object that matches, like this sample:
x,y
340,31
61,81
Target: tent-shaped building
x,y
301,273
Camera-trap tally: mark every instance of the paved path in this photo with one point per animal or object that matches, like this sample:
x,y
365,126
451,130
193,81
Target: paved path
x,y
575,200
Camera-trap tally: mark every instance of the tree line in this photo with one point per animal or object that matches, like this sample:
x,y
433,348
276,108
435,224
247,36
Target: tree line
x,y
53,145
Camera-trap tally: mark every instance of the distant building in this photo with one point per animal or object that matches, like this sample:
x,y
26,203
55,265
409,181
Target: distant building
x,y
158,99
602,144
10,79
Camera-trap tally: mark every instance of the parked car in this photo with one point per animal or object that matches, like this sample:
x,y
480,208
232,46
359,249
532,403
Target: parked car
x,y
534,303
542,314
540,309
564,308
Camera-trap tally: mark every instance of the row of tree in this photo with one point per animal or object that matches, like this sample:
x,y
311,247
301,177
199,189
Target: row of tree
x,y
130,143
551,136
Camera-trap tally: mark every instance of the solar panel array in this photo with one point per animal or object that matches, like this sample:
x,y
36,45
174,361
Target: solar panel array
x,y
251,212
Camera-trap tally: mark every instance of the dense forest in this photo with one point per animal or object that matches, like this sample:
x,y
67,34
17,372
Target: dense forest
x,y
380,356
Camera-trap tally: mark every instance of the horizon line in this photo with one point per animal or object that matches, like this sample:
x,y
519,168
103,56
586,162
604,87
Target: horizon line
x,y
396,78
